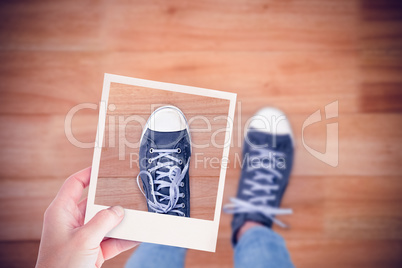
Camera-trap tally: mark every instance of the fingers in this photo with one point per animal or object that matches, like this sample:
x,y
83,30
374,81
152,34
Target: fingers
x,y
113,247
74,186
82,207
102,223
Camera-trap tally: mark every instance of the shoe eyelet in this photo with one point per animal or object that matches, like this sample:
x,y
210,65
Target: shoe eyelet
x,y
183,195
151,150
150,160
180,162
182,184
183,205
148,170
178,150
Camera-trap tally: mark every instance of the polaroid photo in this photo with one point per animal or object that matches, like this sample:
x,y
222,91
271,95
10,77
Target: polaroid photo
x,y
161,153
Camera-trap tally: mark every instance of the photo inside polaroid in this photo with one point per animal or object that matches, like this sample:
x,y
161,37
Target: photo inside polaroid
x,y
162,151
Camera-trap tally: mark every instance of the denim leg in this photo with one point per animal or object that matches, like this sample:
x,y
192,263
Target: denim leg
x,y
157,256
261,247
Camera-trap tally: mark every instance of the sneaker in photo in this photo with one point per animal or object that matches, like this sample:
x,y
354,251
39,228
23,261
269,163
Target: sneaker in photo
x,y
165,150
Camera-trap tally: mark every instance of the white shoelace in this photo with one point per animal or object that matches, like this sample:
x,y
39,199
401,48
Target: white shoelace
x,y
258,204
175,175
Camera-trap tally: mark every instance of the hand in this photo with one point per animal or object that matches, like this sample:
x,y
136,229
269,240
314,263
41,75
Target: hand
x,y
66,241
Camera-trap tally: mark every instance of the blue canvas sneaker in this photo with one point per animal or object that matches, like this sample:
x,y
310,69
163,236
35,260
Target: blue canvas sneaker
x,y
266,166
165,152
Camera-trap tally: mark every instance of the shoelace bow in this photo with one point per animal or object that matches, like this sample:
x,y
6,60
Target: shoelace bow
x,y
258,204
175,176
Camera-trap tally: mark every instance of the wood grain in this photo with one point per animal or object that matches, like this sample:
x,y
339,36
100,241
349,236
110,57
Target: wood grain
x,y
318,203
295,55
366,137
292,81
180,25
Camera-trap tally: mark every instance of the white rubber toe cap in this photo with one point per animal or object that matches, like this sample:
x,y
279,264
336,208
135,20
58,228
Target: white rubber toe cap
x,y
271,120
167,119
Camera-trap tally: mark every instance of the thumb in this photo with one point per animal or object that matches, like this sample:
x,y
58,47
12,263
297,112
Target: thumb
x,y
102,223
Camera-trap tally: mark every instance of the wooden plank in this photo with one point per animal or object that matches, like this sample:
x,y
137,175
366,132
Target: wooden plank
x,y
365,220
380,24
379,66
53,82
267,79
336,207
324,206
296,82
179,25
46,25
128,100
360,138
37,145
23,202
18,254
380,90
381,97
367,144
242,25
345,253
259,78
353,207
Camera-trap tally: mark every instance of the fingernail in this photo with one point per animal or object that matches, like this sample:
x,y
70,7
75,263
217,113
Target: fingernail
x,y
118,210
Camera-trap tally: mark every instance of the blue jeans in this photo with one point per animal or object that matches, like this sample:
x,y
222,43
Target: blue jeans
x,y
258,247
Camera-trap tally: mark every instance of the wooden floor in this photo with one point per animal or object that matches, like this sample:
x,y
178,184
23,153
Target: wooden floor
x,y
295,55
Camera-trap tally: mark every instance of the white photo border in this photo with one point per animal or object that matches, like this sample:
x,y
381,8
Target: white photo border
x,y
144,226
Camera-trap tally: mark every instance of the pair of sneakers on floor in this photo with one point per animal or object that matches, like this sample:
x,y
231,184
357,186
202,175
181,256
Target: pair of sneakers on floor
x,y
165,153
